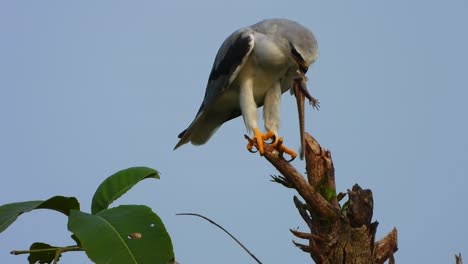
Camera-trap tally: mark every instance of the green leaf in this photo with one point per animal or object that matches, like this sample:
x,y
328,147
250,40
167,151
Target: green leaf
x,y
44,256
124,234
9,212
118,184
61,204
78,242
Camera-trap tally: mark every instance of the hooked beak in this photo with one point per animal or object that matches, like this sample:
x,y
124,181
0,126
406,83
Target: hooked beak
x,y
303,68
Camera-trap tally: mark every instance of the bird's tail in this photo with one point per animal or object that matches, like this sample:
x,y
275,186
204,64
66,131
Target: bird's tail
x,y
201,130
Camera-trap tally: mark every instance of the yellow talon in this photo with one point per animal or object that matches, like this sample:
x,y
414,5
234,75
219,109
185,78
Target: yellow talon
x,y
277,143
250,145
258,138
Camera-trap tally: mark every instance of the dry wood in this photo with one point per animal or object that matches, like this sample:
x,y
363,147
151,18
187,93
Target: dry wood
x,y
338,233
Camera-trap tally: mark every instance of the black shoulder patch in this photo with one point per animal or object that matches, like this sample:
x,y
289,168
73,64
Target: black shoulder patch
x,y
233,58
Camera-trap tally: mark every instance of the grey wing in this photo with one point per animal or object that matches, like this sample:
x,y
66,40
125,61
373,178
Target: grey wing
x,y
230,59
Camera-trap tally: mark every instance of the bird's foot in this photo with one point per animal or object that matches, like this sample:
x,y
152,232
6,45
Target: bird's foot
x,y
276,142
258,139
281,148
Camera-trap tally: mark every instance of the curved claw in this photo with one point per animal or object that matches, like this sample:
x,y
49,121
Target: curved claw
x,y
293,157
272,138
278,145
250,145
250,148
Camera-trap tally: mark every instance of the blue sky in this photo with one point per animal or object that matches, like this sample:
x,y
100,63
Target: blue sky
x,y
88,88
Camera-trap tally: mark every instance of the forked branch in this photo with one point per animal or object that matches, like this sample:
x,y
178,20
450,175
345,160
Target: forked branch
x,y
338,233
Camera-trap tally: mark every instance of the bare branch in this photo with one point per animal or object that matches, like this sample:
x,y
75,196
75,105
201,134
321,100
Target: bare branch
x,y
308,192
281,180
307,236
386,247
301,207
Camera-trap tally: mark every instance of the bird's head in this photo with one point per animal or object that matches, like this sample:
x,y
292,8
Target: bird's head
x,y
302,45
295,40
303,59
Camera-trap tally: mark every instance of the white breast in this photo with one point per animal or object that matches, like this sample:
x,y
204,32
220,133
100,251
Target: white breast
x,y
267,65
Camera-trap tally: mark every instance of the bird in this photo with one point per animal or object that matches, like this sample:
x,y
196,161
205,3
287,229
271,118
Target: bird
x,y
253,67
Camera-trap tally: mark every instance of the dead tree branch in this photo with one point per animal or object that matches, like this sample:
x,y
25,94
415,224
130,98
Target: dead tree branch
x,y
338,233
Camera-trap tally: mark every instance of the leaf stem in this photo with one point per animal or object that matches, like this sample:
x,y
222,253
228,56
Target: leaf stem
x,y
61,249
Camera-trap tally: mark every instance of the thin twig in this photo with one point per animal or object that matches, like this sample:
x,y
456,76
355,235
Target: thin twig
x,y
235,239
65,249
61,249
281,180
301,207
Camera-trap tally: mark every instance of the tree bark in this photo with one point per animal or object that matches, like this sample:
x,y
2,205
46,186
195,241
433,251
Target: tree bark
x,y
339,233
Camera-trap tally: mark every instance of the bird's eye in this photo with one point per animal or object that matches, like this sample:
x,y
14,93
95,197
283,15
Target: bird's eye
x,y
298,58
297,55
